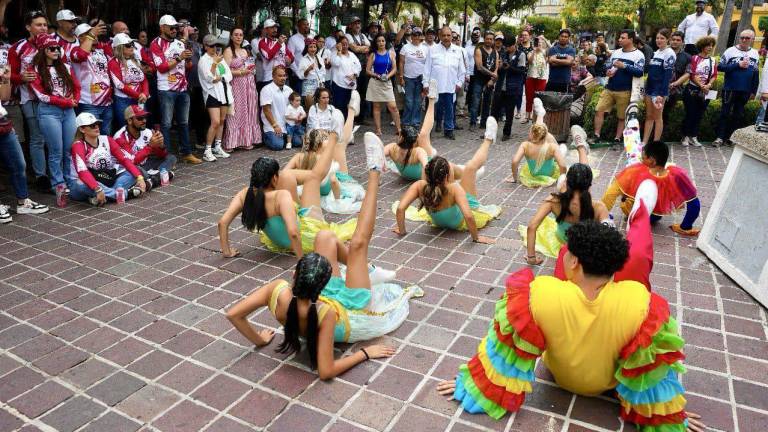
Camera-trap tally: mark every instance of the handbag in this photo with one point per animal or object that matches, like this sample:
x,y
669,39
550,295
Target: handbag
x,y
106,176
638,89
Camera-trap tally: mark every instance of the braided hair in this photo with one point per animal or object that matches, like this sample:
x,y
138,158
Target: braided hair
x,y
313,271
254,214
312,142
407,141
437,172
578,179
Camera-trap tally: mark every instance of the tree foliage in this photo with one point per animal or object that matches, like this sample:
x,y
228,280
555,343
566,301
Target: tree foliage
x,y
549,26
491,10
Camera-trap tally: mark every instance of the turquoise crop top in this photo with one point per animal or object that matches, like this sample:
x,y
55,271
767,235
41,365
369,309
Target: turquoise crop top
x,y
451,217
547,168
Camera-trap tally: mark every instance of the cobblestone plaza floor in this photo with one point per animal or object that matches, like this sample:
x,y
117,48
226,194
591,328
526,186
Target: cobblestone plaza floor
x,y
111,319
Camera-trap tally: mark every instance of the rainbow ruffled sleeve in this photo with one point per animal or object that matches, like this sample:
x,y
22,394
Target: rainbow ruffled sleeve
x,y
496,379
650,393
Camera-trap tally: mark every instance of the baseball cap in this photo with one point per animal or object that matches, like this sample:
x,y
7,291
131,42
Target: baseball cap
x,y
168,20
210,40
82,29
65,15
44,40
499,35
430,30
354,19
476,31
701,1
121,39
86,119
134,111
269,23
416,30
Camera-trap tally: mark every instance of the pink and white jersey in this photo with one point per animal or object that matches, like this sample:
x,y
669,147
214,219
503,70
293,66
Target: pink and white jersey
x,y
58,95
128,80
66,46
5,49
273,54
127,142
91,68
20,59
96,159
174,79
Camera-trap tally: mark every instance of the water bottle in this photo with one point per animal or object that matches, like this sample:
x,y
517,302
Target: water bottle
x,y
120,195
164,177
61,196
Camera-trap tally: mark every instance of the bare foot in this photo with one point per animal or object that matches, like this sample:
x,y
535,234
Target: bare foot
x,y
447,388
510,179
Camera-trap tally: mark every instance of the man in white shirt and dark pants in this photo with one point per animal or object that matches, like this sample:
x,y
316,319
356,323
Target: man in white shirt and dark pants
x,y
296,47
445,64
696,26
274,101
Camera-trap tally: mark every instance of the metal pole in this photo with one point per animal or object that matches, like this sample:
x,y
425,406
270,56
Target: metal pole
x,y
464,32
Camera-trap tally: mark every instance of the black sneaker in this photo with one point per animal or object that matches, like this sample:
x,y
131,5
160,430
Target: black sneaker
x,y
43,185
593,139
449,135
438,128
472,127
616,144
505,137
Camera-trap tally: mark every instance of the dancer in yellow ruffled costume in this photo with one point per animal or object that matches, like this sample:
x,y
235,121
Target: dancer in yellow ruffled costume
x,y
544,159
269,205
446,203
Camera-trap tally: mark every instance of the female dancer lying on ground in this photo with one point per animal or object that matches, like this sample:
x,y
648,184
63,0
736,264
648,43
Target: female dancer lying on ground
x,y
269,205
572,203
619,335
414,148
444,202
322,307
347,195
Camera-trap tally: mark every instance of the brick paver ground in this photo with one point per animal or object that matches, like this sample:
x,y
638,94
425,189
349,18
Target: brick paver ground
x,y
111,318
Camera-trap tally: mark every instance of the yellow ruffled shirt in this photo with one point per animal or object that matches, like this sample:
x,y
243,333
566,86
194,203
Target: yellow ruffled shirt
x,y
583,337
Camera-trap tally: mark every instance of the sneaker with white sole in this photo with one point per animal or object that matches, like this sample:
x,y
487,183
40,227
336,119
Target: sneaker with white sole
x,y
685,142
219,152
354,102
695,142
432,93
479,173
374,152
379,275
491,129
717,143
208,155
579,136
538,108
5,214
31,207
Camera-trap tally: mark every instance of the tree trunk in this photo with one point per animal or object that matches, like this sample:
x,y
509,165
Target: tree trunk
x,y
746,16
725,27
641,23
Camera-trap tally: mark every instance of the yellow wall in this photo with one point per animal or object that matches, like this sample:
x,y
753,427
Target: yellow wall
x,y
759,11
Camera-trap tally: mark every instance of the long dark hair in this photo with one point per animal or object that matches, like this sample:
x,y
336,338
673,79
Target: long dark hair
x,y
231,44
45,75
437,171
578,179
407,141
254,209
313,271
306,51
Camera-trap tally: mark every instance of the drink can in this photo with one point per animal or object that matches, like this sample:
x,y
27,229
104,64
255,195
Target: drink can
x,y
61,196
164,178
120,195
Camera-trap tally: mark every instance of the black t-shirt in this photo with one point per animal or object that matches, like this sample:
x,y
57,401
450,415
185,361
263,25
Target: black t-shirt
x,y
600,64
489,62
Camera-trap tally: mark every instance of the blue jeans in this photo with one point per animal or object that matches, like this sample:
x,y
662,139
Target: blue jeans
x,y
412,111
175,103
272,141
480,90
119,104
760,114
154,163
296,134
36,139
731,112
12,157
103,113
58,126
79,191
341,99
444,111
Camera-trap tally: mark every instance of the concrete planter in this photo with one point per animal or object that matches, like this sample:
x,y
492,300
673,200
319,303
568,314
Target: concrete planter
x,y
735,233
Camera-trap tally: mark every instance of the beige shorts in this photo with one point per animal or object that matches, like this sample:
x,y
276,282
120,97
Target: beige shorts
x,y
610,99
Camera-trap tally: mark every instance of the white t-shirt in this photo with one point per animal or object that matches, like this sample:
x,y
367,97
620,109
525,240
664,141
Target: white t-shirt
x,y
296,46
414,58
277,99
293,112
325,54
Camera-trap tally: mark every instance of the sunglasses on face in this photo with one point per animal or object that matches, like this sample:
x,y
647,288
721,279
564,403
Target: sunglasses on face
x,y
140,118
54,49
92,126
128,45
745,37
417,34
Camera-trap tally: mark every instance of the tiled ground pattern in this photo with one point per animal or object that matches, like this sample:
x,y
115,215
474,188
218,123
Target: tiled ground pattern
x,y
111,319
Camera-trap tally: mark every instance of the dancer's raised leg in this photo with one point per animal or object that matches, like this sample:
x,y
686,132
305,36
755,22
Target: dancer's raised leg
x,y
469,176
340,152
424,141
311,179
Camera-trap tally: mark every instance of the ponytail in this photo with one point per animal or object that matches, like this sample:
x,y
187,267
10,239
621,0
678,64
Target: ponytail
x,y
578,178
437,171
254,215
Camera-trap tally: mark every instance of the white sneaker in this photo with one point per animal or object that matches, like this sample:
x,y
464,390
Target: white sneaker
x,y
379,275
31,207
5,214
695,142
374,152
685,142
491,129
208,155
93,201
354,102
538,108
717,143
479,173
219,152
432,93
579,137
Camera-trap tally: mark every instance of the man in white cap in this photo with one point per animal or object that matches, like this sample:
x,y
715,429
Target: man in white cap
x,y
274,51
65,32
90,64
697,25
145,147
172,60
296,47
20,59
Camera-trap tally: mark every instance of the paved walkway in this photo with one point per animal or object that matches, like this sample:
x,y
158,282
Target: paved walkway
x,y
111,319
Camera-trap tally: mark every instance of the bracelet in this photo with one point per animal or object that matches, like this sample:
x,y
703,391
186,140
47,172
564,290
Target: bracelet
x,y
90,37
367,357
141,177
98,189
